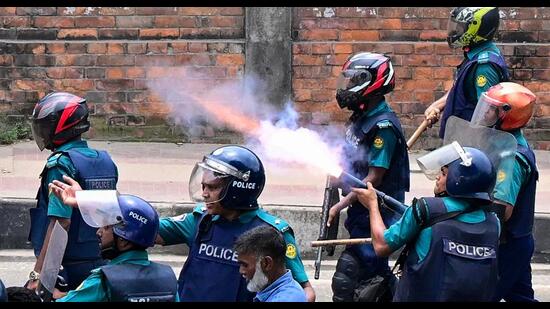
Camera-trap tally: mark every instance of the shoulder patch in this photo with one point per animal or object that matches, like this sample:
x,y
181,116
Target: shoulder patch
x,y
483,57
481,80
384,124
378,142
278,223
501,176
52,160
290,251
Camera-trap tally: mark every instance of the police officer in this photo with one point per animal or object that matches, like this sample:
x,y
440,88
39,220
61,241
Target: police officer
x,y
376,151
128,225
58,120
227,183
509,107
472,29
451,241
261,256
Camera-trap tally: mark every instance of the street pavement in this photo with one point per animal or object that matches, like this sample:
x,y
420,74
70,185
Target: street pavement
x,y
159,172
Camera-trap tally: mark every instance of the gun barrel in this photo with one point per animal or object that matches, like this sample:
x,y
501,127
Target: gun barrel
x,y
392,203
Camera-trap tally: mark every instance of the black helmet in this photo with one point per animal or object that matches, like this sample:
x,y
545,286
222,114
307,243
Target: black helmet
x,y
469,26
242,173
57,118
364,76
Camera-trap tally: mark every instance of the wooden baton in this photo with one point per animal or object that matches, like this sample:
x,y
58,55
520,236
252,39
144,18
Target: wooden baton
x,y
333,242
421,128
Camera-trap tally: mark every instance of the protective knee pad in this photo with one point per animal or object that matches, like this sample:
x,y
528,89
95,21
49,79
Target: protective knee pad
x,y
345,278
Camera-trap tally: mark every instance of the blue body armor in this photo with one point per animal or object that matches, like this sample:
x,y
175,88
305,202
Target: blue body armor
x,y
521,222
458,104
139,283
461,264
211,271
92,173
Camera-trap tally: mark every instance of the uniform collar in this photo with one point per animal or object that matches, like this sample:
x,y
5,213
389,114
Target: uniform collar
x,y
245,217
131,255
72,144
264,294
489,45
381,107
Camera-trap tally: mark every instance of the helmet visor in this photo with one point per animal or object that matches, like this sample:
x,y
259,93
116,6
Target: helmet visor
x,y
39,132
431,163
208,184
353,80
99,207
455,30
488,111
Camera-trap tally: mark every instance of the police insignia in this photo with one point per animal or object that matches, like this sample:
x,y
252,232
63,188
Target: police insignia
x,y
290,251
481,80
378,142
501,175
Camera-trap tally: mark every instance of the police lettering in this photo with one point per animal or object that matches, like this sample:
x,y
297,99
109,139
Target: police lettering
x,y
218,252
468,251
244,185
138,217
99,184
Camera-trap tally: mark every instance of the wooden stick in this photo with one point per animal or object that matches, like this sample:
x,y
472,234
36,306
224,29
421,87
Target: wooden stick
x,y
333,242
421,128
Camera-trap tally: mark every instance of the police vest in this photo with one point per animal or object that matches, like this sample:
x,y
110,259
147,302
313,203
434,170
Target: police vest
x,y
360,136
211,271
461,264
521,222
457,103
92,174
139,283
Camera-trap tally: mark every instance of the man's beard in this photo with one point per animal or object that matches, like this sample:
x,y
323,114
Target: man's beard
x,y
259,281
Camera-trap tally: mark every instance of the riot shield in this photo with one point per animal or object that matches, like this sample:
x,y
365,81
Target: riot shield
x,y
53,258
499,146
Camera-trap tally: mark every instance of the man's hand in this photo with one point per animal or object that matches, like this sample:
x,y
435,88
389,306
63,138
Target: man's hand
x,y
32,285
367,197
432,114
66,191
332,213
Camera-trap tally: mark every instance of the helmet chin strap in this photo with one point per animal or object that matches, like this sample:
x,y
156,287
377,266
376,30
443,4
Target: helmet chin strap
x,y
112,251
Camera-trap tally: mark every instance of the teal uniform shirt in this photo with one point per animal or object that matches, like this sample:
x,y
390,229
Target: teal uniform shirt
x,y
62,165
182,229
407,228
383,145
485,75
507,186
93,289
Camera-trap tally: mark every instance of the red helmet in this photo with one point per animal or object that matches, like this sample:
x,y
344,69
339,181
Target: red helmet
x,y
506,106
57,118
364,75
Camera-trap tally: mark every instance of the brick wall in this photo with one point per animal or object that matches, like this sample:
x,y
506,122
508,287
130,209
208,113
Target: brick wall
x,y
324,37
107,54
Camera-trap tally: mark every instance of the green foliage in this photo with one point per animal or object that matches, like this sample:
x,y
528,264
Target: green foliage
x,y
12,130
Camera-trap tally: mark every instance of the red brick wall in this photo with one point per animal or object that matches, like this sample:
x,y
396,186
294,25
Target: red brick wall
x,y
415,40
107,54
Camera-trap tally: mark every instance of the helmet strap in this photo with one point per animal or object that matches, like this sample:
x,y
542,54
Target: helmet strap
x,y
112,251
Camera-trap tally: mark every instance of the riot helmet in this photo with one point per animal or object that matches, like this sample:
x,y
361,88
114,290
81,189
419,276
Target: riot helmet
x,y
470,26
364,76
505,106
133,218
57,118
236,172
470,173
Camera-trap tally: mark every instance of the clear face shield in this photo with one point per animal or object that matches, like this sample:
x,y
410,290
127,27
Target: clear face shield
x,y
210,179
488,111
353,80
499,146
99,207
431,163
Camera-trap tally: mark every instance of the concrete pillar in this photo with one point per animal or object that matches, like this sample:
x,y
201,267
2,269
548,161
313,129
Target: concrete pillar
x,y
269,50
